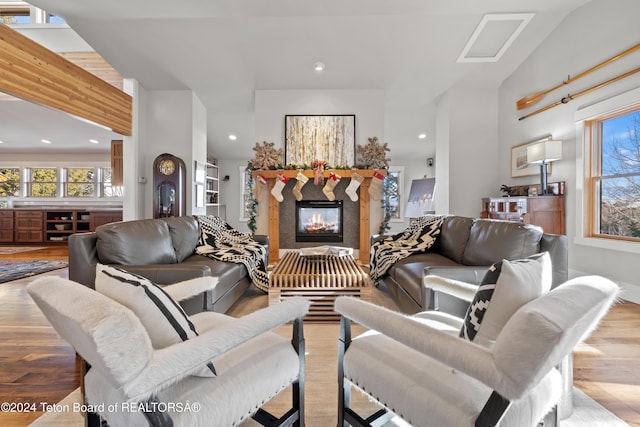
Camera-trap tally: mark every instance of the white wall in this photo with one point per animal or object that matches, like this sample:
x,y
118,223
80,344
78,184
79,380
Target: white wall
x,y
198,149
270,108
466,150
588,36
174,122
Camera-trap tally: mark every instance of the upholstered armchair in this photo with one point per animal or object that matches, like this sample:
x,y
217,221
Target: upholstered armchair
x,y
221,375
419,368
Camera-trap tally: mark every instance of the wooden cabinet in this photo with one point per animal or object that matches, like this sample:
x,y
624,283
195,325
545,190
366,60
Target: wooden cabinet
x,y
51,225
6,226
544,211
117,163
100,218
59,224
28,226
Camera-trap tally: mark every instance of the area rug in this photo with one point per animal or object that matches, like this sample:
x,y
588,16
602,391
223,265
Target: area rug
x,y
13,270
9,250
587,412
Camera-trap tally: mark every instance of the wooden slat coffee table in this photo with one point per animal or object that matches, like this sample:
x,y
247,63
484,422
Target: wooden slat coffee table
x,y
321,279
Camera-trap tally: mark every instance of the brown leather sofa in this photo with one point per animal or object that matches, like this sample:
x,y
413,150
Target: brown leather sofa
x,y
162,250
464,250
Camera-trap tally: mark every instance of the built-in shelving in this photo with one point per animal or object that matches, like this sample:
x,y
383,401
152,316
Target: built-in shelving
x,y
51,225
212,191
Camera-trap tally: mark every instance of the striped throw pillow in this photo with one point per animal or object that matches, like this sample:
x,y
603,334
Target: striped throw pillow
x,y
163,318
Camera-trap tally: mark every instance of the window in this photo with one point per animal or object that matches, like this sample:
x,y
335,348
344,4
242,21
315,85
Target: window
x,y
84,182
14,13
9,182
614,175
107,189
43,182
393,188
19,12
80,182
54,19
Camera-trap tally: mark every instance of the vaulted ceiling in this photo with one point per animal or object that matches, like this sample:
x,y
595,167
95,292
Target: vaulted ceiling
x,y
225,50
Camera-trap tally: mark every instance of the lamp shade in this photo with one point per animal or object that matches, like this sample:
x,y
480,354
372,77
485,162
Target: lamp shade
x,y
544,151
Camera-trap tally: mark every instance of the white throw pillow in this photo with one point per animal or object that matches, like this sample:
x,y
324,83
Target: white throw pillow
x,y
506,287
163,318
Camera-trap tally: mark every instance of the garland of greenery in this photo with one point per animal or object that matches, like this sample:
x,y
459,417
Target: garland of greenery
x,y
252,206
388,186
373,155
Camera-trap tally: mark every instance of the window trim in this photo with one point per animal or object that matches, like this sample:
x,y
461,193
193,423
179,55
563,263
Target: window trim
x,y
61,182
584,193
401,196
30,181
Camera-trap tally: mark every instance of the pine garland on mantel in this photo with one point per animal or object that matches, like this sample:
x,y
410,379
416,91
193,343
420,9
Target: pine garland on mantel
x,y
372,158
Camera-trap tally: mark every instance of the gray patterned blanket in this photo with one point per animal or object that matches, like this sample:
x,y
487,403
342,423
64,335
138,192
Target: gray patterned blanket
x,y
418,237
220,241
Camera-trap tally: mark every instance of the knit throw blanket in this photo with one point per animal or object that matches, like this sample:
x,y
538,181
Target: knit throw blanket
x,y
220,241
417,238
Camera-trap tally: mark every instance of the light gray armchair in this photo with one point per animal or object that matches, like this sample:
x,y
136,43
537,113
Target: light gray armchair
x,y
418,368
130,383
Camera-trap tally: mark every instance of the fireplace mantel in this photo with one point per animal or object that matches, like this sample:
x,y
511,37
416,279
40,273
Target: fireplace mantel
x,y
363,197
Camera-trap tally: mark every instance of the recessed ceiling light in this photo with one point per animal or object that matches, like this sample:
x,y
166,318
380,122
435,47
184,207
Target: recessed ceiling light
x,y
46,141
422,136
94,141
1,142
233,137
318,66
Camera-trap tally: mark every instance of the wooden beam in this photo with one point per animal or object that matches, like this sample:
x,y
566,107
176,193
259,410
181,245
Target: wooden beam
x,y
34,73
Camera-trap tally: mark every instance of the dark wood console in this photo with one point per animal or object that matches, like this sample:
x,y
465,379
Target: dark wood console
x,y
544,211
51,225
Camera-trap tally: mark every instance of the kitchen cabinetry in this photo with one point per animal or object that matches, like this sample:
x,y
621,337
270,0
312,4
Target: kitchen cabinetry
x,y
544,211
50,225
28,226
99,218
6,226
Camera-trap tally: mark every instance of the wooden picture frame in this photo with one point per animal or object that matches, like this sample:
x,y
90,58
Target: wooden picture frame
x,y
331,138
519,165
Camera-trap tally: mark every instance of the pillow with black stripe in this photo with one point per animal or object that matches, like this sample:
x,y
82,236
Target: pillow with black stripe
x,y
163,318
506,287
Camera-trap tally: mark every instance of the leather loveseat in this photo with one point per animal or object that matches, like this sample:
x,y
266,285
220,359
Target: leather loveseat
x,y
162,250
464,250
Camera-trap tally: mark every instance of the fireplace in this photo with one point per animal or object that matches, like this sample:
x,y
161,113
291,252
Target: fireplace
x,y
319,221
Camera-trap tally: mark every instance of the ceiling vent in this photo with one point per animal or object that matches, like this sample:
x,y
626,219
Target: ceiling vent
x,y
493,36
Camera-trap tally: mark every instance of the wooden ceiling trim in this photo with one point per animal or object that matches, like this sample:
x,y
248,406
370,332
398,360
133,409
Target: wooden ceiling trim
x,y
58,100
81,84
96,65
55,87
32,72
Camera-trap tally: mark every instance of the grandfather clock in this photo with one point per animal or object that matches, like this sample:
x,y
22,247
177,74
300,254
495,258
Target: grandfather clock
x,y
169,186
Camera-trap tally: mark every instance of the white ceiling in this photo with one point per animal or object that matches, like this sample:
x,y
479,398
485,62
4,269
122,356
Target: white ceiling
x,y
225,50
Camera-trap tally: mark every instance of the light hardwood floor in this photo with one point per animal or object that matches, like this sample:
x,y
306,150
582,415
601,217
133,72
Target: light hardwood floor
x,y
38,366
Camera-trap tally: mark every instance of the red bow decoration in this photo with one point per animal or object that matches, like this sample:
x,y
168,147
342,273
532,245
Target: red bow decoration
x,y
318,167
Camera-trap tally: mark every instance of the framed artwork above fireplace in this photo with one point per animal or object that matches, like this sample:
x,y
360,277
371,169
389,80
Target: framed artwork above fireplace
x,y
321,137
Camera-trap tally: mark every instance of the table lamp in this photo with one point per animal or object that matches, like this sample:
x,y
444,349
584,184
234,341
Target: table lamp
x,y
542,153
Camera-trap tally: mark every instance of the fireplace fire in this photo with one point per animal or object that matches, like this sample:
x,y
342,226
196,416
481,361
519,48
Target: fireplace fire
x,y
319,221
